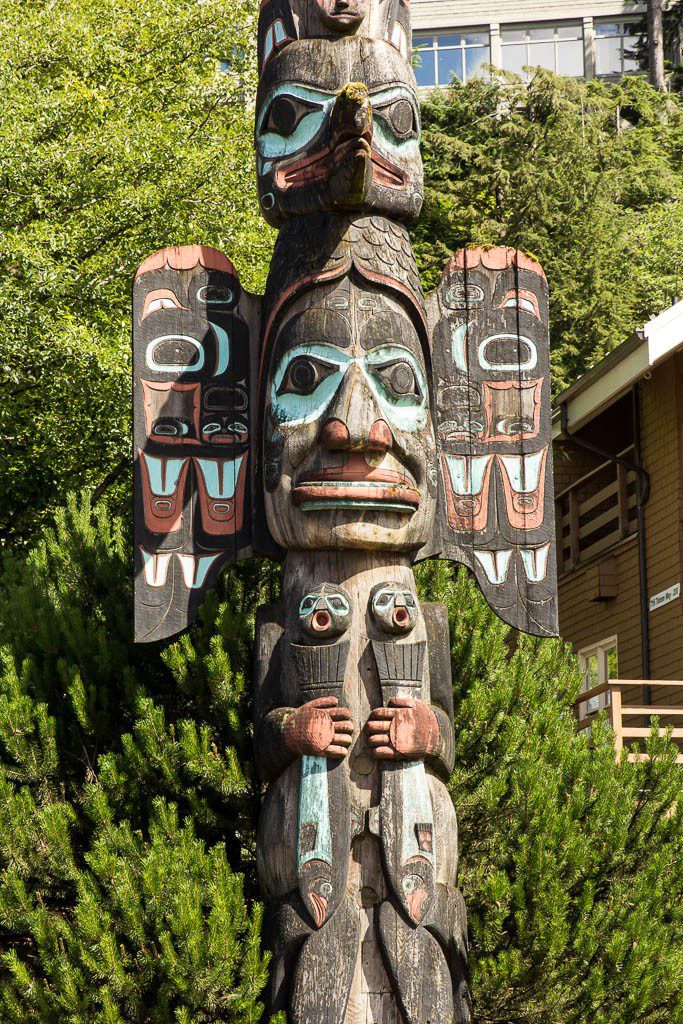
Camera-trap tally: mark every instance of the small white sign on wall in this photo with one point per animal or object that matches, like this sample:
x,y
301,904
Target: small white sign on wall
x,y
665,596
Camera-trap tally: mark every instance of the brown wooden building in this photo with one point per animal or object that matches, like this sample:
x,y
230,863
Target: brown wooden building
x,y
618,443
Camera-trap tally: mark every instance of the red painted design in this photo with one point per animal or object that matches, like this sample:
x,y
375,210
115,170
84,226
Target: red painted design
x,y
525,405
517,294
324,483
173,401
319,728
525,510
185,257
467,513
163,513
222,516
496,258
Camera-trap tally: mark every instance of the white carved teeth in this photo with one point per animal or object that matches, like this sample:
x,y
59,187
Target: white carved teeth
x,y
195,569
467,472
523,471
535,562
156,567
495,564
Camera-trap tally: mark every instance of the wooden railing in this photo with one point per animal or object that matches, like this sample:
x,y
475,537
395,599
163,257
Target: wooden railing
x,y
595,512
628,714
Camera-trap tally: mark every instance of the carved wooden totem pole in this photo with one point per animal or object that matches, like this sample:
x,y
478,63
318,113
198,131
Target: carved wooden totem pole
x,y
349,427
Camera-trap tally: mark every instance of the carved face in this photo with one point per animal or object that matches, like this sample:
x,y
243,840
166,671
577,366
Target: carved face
x,y
349,446
343,15
394,608
282,22
339,133
325,612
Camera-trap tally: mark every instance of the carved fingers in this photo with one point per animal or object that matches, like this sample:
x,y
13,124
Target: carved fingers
x,y
319,728
404,730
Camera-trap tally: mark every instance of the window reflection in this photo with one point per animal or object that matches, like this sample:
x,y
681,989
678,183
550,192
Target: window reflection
x,y
558,48
438,59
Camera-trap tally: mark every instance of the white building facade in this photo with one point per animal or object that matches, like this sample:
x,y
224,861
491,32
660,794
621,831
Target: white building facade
x,y
457,38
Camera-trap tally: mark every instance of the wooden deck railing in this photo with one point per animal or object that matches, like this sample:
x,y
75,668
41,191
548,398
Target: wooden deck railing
x,y
628,714
595,512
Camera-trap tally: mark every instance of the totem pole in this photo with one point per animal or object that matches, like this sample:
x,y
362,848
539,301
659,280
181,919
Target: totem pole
x,y
348,427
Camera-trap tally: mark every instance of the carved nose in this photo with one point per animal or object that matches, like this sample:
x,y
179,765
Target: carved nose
x,y
335,437
380,438
352,113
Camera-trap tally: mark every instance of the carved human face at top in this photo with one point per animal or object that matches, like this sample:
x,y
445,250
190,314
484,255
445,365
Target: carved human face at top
x,y
341,132
343,15
348,439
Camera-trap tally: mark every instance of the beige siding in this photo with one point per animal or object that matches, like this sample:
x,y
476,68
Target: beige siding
x,y
660,429
452,13
584,621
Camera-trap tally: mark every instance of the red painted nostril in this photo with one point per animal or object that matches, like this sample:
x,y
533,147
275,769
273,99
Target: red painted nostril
x,y
401,617
322,621
335,435
380,438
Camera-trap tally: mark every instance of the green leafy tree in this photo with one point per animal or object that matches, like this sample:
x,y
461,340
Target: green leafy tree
x,y
587,177
125,126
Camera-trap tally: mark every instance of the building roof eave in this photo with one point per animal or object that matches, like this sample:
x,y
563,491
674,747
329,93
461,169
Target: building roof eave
x,y
614,375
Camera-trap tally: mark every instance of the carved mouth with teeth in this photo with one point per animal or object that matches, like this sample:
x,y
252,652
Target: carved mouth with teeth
x,y
356,485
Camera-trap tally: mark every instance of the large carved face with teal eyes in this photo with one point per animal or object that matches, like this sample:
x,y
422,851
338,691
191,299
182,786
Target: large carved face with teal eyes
x,y
349,449
338,133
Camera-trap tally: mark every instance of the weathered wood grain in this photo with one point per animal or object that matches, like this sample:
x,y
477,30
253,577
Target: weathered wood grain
x,y
490,359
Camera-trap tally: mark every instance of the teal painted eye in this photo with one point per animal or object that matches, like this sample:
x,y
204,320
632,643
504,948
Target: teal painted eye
x,y
303,375
399,380
285,113
307,605
384,600
338,603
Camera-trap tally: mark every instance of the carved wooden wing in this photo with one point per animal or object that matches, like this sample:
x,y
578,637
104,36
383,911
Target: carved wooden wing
x,y
195,332
491,382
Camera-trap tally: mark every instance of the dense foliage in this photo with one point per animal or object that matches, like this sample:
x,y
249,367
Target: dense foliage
x,y
127,813
119,134
587,177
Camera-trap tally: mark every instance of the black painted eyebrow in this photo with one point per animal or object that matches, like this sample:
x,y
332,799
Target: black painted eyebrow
x,y
316,324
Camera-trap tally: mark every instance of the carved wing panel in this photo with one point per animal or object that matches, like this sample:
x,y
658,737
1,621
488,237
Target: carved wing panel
x,y
491,393
194,331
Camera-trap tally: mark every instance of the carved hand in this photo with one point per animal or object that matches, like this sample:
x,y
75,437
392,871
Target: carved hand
x,y
405,730
319,728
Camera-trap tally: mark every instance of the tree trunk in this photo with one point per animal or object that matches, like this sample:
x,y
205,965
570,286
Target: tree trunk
x,y
655,34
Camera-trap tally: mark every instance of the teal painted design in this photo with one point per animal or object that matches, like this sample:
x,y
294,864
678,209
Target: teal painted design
x,y
215,486
223,348
417,810
406,412
272,145
314,810
399,148
367,504
163,473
